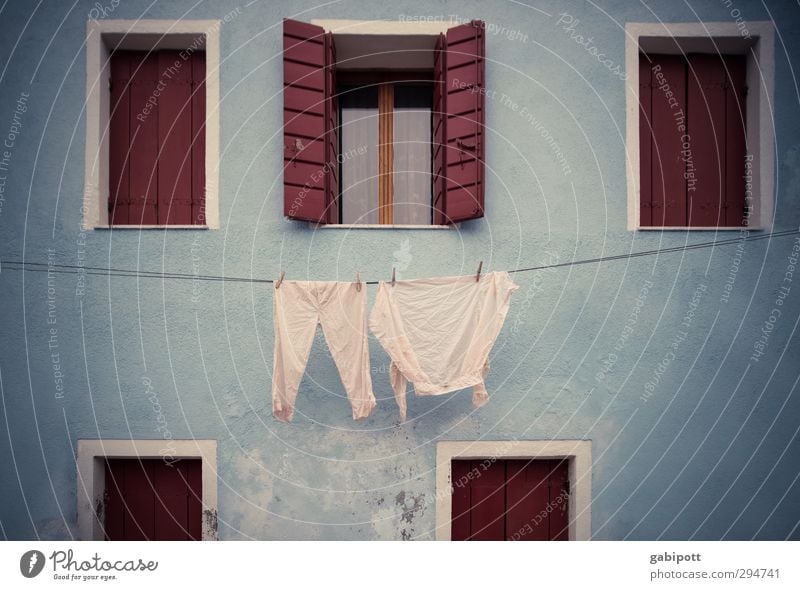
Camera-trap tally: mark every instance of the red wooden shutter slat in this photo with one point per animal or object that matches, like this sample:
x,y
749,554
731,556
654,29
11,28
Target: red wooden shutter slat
x,y
461,503
331,133
735,139
487,517
198,138
114,508
305,107
559,500
669,186
463,157
144,139
193,472
439,124
175,139
705,165
119,139
645,143
527,495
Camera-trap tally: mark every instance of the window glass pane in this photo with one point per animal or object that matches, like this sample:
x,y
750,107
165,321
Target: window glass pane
x,y
359,154
412,154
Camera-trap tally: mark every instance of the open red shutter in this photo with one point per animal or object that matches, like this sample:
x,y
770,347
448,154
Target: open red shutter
x,y
463,131
308,191
119,139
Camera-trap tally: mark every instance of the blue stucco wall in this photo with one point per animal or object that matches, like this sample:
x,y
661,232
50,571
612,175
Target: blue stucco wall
x,y
709,452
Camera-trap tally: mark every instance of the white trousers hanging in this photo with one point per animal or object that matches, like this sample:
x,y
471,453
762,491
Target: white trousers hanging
x,y
341,309
439,332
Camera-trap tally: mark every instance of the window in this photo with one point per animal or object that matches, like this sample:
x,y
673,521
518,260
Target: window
x,y
152,124
492,490
510,500
156,138
386,153
147,489
153,500
400,145
699,133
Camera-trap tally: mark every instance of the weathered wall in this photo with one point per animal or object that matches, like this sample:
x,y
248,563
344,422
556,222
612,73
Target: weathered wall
x,y
711,451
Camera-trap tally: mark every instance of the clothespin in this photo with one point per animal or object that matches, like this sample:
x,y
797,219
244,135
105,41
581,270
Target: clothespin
x,y
393,281
358,281
478,275
280,280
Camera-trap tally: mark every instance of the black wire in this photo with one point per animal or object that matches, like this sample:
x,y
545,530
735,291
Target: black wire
x,y
120,272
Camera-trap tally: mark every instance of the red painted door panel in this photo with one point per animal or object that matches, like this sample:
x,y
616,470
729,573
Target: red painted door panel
x,y
527,498
143,153
487,506
645,143
735,139
518,499
153,500
198,139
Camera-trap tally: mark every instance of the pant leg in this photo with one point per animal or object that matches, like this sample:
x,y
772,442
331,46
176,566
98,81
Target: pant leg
x,y
295,317
343,315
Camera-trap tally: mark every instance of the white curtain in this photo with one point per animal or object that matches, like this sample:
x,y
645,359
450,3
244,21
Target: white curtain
x,y
359,155
412,165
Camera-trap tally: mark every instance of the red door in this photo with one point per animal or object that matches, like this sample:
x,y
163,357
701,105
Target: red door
x,y
152,500
513,500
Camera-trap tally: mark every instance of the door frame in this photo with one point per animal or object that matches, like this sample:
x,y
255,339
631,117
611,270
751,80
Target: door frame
x,y
577,452
92,455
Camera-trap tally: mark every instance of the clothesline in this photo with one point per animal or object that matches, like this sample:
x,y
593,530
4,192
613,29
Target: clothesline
x,y
119,272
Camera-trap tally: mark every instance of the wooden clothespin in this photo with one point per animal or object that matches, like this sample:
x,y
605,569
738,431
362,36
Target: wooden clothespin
x,y
478,275
280,280
393,281
358,281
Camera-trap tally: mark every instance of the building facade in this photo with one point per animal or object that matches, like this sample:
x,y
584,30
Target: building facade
x,y
647,369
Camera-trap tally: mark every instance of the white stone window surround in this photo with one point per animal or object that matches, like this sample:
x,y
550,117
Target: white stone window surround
x,y
102,36
577,452
91,477
716,37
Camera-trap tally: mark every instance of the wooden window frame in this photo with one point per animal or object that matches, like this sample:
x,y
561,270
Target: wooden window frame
x,y
577,452
91,458
721,37
104,36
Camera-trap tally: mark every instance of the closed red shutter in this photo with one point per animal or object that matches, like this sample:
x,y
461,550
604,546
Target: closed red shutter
x,y
692,176
307,180
151,500
157,138
119,139
463,132
514,500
